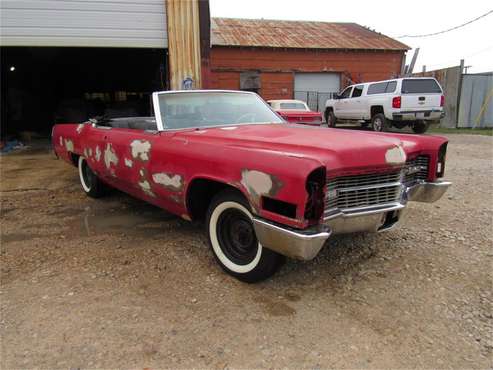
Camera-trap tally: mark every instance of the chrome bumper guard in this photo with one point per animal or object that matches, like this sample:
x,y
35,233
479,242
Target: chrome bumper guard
x,y
427,192
298,244
305,244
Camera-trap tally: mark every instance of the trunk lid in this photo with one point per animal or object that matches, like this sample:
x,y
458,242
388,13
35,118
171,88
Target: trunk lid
x,y
300,116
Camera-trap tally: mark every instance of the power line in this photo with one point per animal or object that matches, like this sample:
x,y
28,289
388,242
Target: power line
x,y
457,58
450,29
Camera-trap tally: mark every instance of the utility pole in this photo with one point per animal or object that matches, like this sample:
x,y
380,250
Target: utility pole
x,y
413,62
459,91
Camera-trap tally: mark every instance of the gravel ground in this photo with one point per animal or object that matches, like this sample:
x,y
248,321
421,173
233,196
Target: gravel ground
x,y
117,283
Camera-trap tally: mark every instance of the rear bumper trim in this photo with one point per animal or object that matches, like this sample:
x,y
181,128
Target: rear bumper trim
x,y
432,114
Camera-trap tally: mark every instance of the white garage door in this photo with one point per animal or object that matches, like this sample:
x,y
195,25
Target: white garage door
x,y
99,23
316,88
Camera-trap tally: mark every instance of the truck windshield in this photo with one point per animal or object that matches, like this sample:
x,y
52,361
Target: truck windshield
x,y
420,86
205,109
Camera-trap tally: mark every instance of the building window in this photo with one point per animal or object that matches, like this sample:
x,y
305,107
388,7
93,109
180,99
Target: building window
x,y
250,81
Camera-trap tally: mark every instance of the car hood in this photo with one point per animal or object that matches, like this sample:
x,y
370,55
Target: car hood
x,y
337,149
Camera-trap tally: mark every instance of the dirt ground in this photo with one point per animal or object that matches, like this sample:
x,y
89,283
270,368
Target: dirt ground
x,y
115,283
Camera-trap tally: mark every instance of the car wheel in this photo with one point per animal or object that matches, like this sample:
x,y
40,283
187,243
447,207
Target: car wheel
x,y
379,123
91,184
420,127
331,119
233,241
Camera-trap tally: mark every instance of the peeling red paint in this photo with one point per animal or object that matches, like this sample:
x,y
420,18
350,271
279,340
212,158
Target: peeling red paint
x,y
286,154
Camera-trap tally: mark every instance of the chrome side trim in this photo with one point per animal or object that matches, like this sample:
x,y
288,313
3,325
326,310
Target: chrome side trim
x,y
298,244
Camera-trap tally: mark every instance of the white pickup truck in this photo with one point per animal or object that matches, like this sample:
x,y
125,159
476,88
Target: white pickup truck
x,y
413,102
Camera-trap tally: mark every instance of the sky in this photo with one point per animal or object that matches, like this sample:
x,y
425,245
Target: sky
x,y
474,42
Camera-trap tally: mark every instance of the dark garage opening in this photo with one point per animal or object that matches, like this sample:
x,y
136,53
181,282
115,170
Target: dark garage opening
x,y
45,85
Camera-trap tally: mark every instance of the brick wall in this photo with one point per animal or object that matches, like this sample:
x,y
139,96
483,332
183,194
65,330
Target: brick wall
x,y
277,67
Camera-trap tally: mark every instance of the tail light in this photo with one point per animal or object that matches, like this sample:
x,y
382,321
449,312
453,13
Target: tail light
x,y
315,185
442,101
396,102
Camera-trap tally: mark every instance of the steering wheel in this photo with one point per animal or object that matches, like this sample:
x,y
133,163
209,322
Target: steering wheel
x,y
243,118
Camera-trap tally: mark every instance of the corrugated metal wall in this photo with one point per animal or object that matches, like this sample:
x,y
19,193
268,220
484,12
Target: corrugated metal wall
x,y
184,43
476,101
81,23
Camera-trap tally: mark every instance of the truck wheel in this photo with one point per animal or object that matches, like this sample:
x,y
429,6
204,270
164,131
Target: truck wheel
x,y
91,184
233,241
331,119
420,127
379,123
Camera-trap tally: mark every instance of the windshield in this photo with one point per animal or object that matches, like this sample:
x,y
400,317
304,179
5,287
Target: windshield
x,y
203,109
297,106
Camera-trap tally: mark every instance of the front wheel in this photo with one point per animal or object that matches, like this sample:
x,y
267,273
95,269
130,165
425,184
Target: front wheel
x,y
91,184
379,123
233,241
420,127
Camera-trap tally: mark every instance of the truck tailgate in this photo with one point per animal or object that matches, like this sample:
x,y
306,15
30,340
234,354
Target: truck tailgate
x,y
420,101
420,94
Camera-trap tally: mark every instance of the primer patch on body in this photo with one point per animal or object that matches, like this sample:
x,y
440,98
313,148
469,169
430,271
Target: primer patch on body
x,y
61,141
109,156
395,155
79,128
90,152
260,183
69,145
169,181
146,188
86,153
128,163
98,154
140,149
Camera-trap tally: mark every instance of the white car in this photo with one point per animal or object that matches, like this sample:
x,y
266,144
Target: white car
x,y
296,111
413,102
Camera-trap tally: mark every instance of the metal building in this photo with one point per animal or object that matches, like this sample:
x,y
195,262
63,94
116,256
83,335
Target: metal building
x,y
67,60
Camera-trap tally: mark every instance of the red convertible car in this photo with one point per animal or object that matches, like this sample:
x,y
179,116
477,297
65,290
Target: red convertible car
x,y
296,111
264,188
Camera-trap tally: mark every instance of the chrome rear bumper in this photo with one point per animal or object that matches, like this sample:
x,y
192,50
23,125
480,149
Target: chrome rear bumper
x,y
305,244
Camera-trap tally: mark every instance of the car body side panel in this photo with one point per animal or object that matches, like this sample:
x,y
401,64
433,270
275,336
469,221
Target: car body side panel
x,y
260,160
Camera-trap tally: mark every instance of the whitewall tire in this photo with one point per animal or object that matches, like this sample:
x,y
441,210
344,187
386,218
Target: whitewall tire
x,y
233,241
90,183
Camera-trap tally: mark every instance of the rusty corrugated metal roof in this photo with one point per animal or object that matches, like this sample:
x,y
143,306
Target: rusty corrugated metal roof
x,y
298,34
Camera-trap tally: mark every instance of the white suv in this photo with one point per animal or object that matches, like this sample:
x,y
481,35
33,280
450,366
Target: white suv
x,y
401,102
